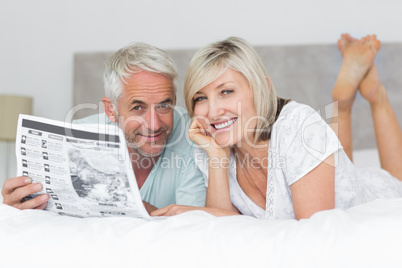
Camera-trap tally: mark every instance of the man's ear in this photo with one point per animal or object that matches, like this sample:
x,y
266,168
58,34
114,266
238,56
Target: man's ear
x,y
109,108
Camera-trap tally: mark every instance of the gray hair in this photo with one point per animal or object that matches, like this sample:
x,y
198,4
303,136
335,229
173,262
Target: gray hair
x,y
213,60
135,58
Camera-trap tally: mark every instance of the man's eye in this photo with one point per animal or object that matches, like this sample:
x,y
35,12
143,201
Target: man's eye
x,y
137,108
164,106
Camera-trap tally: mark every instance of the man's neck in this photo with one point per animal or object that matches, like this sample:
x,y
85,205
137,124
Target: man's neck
x,y
142,166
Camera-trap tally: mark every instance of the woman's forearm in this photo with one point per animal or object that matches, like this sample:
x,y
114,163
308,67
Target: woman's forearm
x,y
218,193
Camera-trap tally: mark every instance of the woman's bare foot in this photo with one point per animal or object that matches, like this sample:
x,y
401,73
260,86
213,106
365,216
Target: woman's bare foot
x,y
343,91
343,41
371,88
358,57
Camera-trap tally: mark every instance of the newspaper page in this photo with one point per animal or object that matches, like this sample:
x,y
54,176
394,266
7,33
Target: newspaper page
x,y
85,172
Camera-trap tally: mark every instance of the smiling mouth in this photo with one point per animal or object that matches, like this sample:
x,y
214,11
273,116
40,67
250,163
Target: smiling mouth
x,y
225,124
154,136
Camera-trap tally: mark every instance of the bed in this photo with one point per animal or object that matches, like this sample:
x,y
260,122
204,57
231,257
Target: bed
x,y
364,236
368,235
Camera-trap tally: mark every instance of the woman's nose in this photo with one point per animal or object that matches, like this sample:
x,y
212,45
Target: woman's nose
x,y
216,109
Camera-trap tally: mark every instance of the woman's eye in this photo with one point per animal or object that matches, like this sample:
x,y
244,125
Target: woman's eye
x,y
199,99
227,91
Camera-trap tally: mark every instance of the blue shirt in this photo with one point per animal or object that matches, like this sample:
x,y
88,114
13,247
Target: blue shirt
x,y
174,179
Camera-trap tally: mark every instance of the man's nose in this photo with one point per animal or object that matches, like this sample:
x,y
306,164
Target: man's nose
x,y
152,119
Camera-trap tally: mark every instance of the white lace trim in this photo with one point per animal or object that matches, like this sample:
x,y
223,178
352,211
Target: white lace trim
x,y
270,200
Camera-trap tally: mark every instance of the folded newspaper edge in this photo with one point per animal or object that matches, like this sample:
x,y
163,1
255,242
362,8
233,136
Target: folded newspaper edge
x,y
85,169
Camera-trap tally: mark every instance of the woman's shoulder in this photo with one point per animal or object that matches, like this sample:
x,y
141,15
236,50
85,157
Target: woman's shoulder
x,y
295,109
294,115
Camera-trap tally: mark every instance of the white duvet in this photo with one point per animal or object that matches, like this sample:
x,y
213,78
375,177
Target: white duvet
x,y
369,235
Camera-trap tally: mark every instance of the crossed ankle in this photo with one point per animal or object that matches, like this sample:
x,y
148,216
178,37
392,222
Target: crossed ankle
x,y
379,99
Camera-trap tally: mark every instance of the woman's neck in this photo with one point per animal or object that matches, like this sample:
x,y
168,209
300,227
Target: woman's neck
x,y
256,154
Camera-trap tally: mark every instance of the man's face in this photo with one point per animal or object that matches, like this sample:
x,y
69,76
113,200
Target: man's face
x,y
145,112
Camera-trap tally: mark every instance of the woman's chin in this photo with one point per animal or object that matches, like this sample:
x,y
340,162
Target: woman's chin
x,y
224,139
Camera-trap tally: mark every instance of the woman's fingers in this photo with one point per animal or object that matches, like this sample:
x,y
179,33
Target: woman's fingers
x,y
199,135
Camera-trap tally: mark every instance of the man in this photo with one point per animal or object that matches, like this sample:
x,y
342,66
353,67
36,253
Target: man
x,y
140,86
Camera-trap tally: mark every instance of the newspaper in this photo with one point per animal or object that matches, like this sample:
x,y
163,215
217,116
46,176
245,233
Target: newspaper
x,y
85,170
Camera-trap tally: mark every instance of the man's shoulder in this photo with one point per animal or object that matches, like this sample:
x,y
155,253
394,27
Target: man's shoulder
x,y
178,142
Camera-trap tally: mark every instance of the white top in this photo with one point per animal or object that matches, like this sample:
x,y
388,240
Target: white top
x,y
300,141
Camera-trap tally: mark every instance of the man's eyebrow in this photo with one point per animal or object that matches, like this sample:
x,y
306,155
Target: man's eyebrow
x,y
137,102
167,100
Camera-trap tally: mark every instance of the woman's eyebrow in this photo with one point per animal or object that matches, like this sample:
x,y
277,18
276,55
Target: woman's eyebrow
x,y
224,84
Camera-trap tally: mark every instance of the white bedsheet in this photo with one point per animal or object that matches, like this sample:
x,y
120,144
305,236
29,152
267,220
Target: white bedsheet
x,y
369,235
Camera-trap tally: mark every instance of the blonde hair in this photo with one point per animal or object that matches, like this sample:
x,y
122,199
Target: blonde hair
x,y
213,60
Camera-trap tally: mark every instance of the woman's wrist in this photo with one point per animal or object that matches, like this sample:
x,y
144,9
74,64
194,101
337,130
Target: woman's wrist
x,y
221,161
219,154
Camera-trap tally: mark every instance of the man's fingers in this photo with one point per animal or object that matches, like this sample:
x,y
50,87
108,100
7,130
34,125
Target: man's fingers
x,y
39,202
44,205
161,211
11,184
15,189
15,198
21,192
173,210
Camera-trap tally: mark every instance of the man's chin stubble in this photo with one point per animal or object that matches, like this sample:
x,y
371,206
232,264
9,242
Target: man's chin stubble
x,y
140,152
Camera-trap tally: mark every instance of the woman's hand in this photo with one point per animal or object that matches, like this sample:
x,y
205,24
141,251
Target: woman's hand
x,y
200,136
218,195
172,210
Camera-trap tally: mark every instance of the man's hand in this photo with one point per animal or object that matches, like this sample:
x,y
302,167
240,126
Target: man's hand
x,y
172,210
149,207
15,189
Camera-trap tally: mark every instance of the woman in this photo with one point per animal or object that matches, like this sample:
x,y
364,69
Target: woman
x,y
277,159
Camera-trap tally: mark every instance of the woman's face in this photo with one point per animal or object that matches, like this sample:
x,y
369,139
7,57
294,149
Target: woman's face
x,y
225,108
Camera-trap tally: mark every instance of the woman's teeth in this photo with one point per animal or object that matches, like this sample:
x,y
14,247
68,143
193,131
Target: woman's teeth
x,y
226,124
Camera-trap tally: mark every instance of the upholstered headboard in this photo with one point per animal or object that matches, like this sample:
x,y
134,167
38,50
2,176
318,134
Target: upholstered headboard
x,y
303,73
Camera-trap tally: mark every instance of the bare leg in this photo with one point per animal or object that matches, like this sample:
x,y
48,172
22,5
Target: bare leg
x,y
386,127
358,57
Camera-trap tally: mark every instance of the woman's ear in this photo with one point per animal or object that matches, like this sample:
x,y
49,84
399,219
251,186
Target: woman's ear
x,y
110,110
269,82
